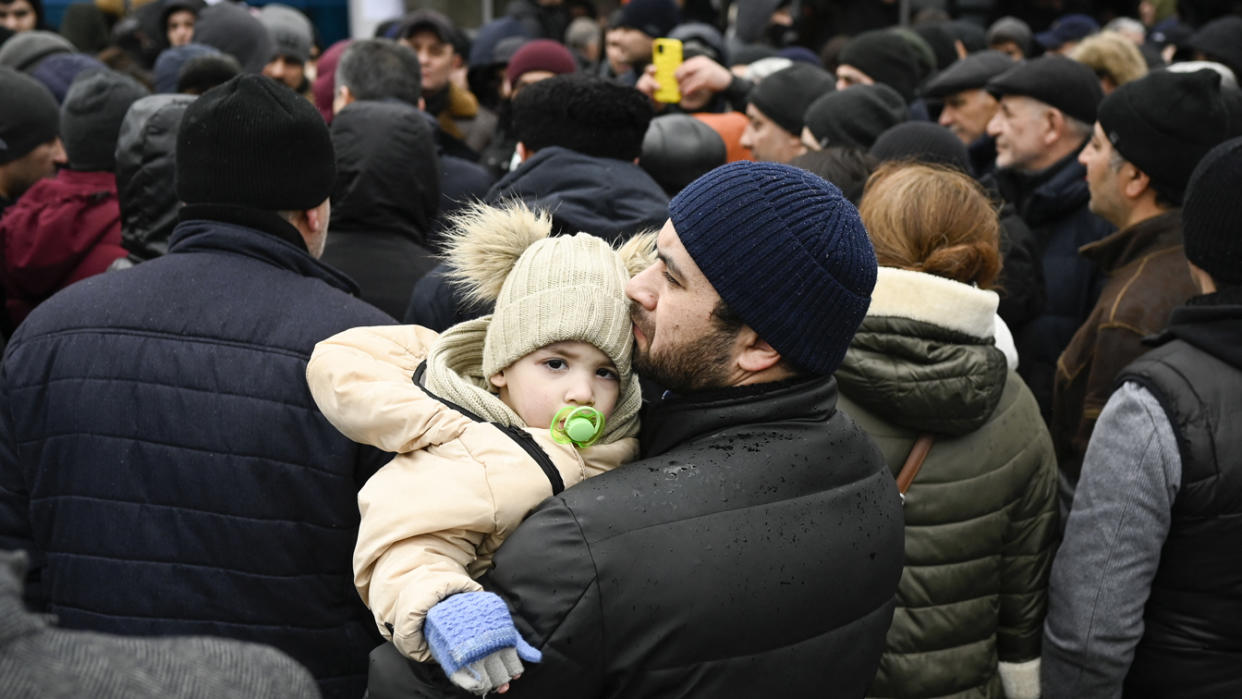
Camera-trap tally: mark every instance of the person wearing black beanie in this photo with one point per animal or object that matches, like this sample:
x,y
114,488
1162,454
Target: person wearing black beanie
x,y
777,107
879,56
179,386
1150,135
68,227
1047,107
923,142
1164,471
30,145
853,117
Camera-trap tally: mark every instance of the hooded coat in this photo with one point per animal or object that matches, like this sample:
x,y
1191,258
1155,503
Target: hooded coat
x,y
610,198
981,515
146,152
62,230
384,201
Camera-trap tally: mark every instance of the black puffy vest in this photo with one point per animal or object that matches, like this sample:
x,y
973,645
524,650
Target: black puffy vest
x,y
1192,643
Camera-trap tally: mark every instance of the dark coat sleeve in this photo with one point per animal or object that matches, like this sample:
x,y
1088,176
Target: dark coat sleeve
x,y
545,573
1021,281
15,533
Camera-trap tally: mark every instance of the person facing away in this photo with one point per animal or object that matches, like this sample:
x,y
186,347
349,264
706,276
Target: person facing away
x,y
755,549
160,456
1145,588
487,411
981,515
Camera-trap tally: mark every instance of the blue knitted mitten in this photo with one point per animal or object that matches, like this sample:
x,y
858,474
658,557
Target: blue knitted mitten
x,y
464,629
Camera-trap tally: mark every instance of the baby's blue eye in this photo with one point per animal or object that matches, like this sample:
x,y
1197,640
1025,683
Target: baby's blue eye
x,y
606,374
555,363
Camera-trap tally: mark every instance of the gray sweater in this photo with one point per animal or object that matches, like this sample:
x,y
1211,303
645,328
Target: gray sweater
x,y
39,660
1102,575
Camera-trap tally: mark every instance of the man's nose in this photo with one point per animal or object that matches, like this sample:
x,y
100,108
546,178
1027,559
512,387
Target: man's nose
x,y
639,291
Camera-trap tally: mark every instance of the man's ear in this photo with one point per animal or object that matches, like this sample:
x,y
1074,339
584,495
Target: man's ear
x,y
343,98
314,217
522,151
1054,124
755,354
1137,183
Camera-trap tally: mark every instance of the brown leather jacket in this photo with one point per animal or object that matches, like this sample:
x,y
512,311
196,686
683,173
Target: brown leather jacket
x,y
1147,277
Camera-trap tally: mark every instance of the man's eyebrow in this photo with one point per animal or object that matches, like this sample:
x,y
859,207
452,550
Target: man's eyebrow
x,y
668,263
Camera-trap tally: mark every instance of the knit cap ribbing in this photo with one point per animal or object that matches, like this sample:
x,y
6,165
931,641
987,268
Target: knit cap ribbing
x,y
786,251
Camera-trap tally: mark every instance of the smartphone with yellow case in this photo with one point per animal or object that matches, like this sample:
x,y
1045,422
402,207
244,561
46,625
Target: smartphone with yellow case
x,y
666,57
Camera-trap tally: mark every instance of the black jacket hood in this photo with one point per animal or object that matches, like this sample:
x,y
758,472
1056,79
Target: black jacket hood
x,y
387,171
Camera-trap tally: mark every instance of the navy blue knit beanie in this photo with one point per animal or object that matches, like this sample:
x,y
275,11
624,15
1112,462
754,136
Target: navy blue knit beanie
x,y
786,251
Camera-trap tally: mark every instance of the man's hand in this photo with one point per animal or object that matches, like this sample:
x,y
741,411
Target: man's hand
x,y
473,638
701,73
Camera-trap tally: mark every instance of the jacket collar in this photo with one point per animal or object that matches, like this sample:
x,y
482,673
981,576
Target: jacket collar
x,y
678,419
1212,323
224,229
935,300
1129,244
1047,194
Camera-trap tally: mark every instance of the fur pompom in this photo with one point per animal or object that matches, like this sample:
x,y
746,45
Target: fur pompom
x,y
639,252
484,242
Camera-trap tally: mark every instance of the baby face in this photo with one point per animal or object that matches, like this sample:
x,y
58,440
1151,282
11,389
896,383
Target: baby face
x,y
560,374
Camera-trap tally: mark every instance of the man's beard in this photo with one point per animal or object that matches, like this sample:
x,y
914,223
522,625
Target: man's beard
x,y
698,365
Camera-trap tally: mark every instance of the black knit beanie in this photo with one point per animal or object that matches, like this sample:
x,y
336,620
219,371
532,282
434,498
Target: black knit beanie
x,y
1164,123
90,118
784,95
1056,81
1221,40
655,18
584,113
886,58
28,115
855,117
1211,213
924,142
253,142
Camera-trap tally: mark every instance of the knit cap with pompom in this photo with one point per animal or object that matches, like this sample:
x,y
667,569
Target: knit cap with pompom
x,y
547,289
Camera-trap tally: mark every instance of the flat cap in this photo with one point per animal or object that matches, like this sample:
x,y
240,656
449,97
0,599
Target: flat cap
x,y
970,73
1056,81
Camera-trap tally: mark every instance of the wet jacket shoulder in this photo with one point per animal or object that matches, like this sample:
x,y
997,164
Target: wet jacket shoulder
x,y
981,516
604,196
1146,278
145,170
184,376
384,201
1053,204
753,551
61,230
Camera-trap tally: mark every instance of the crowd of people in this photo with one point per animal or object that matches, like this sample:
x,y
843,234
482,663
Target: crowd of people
x,y
871,349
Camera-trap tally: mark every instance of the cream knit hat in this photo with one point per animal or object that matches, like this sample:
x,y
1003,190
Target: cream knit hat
x,y
547,289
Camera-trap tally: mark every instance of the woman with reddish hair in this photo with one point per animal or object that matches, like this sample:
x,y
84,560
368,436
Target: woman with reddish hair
x,y
928,367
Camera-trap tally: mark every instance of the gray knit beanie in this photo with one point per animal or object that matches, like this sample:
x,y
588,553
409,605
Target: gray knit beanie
x,y
90,118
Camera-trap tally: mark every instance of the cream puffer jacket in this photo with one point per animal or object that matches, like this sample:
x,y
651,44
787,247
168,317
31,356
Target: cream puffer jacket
x,y
434,515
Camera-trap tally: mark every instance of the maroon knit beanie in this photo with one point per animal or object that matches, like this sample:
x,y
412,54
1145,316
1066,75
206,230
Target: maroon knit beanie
x,y
540,54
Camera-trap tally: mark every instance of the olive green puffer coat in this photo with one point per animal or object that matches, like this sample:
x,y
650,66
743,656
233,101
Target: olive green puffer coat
x,y
981,517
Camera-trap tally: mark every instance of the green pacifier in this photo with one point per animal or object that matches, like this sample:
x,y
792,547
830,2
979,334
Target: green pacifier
x,y
579,425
